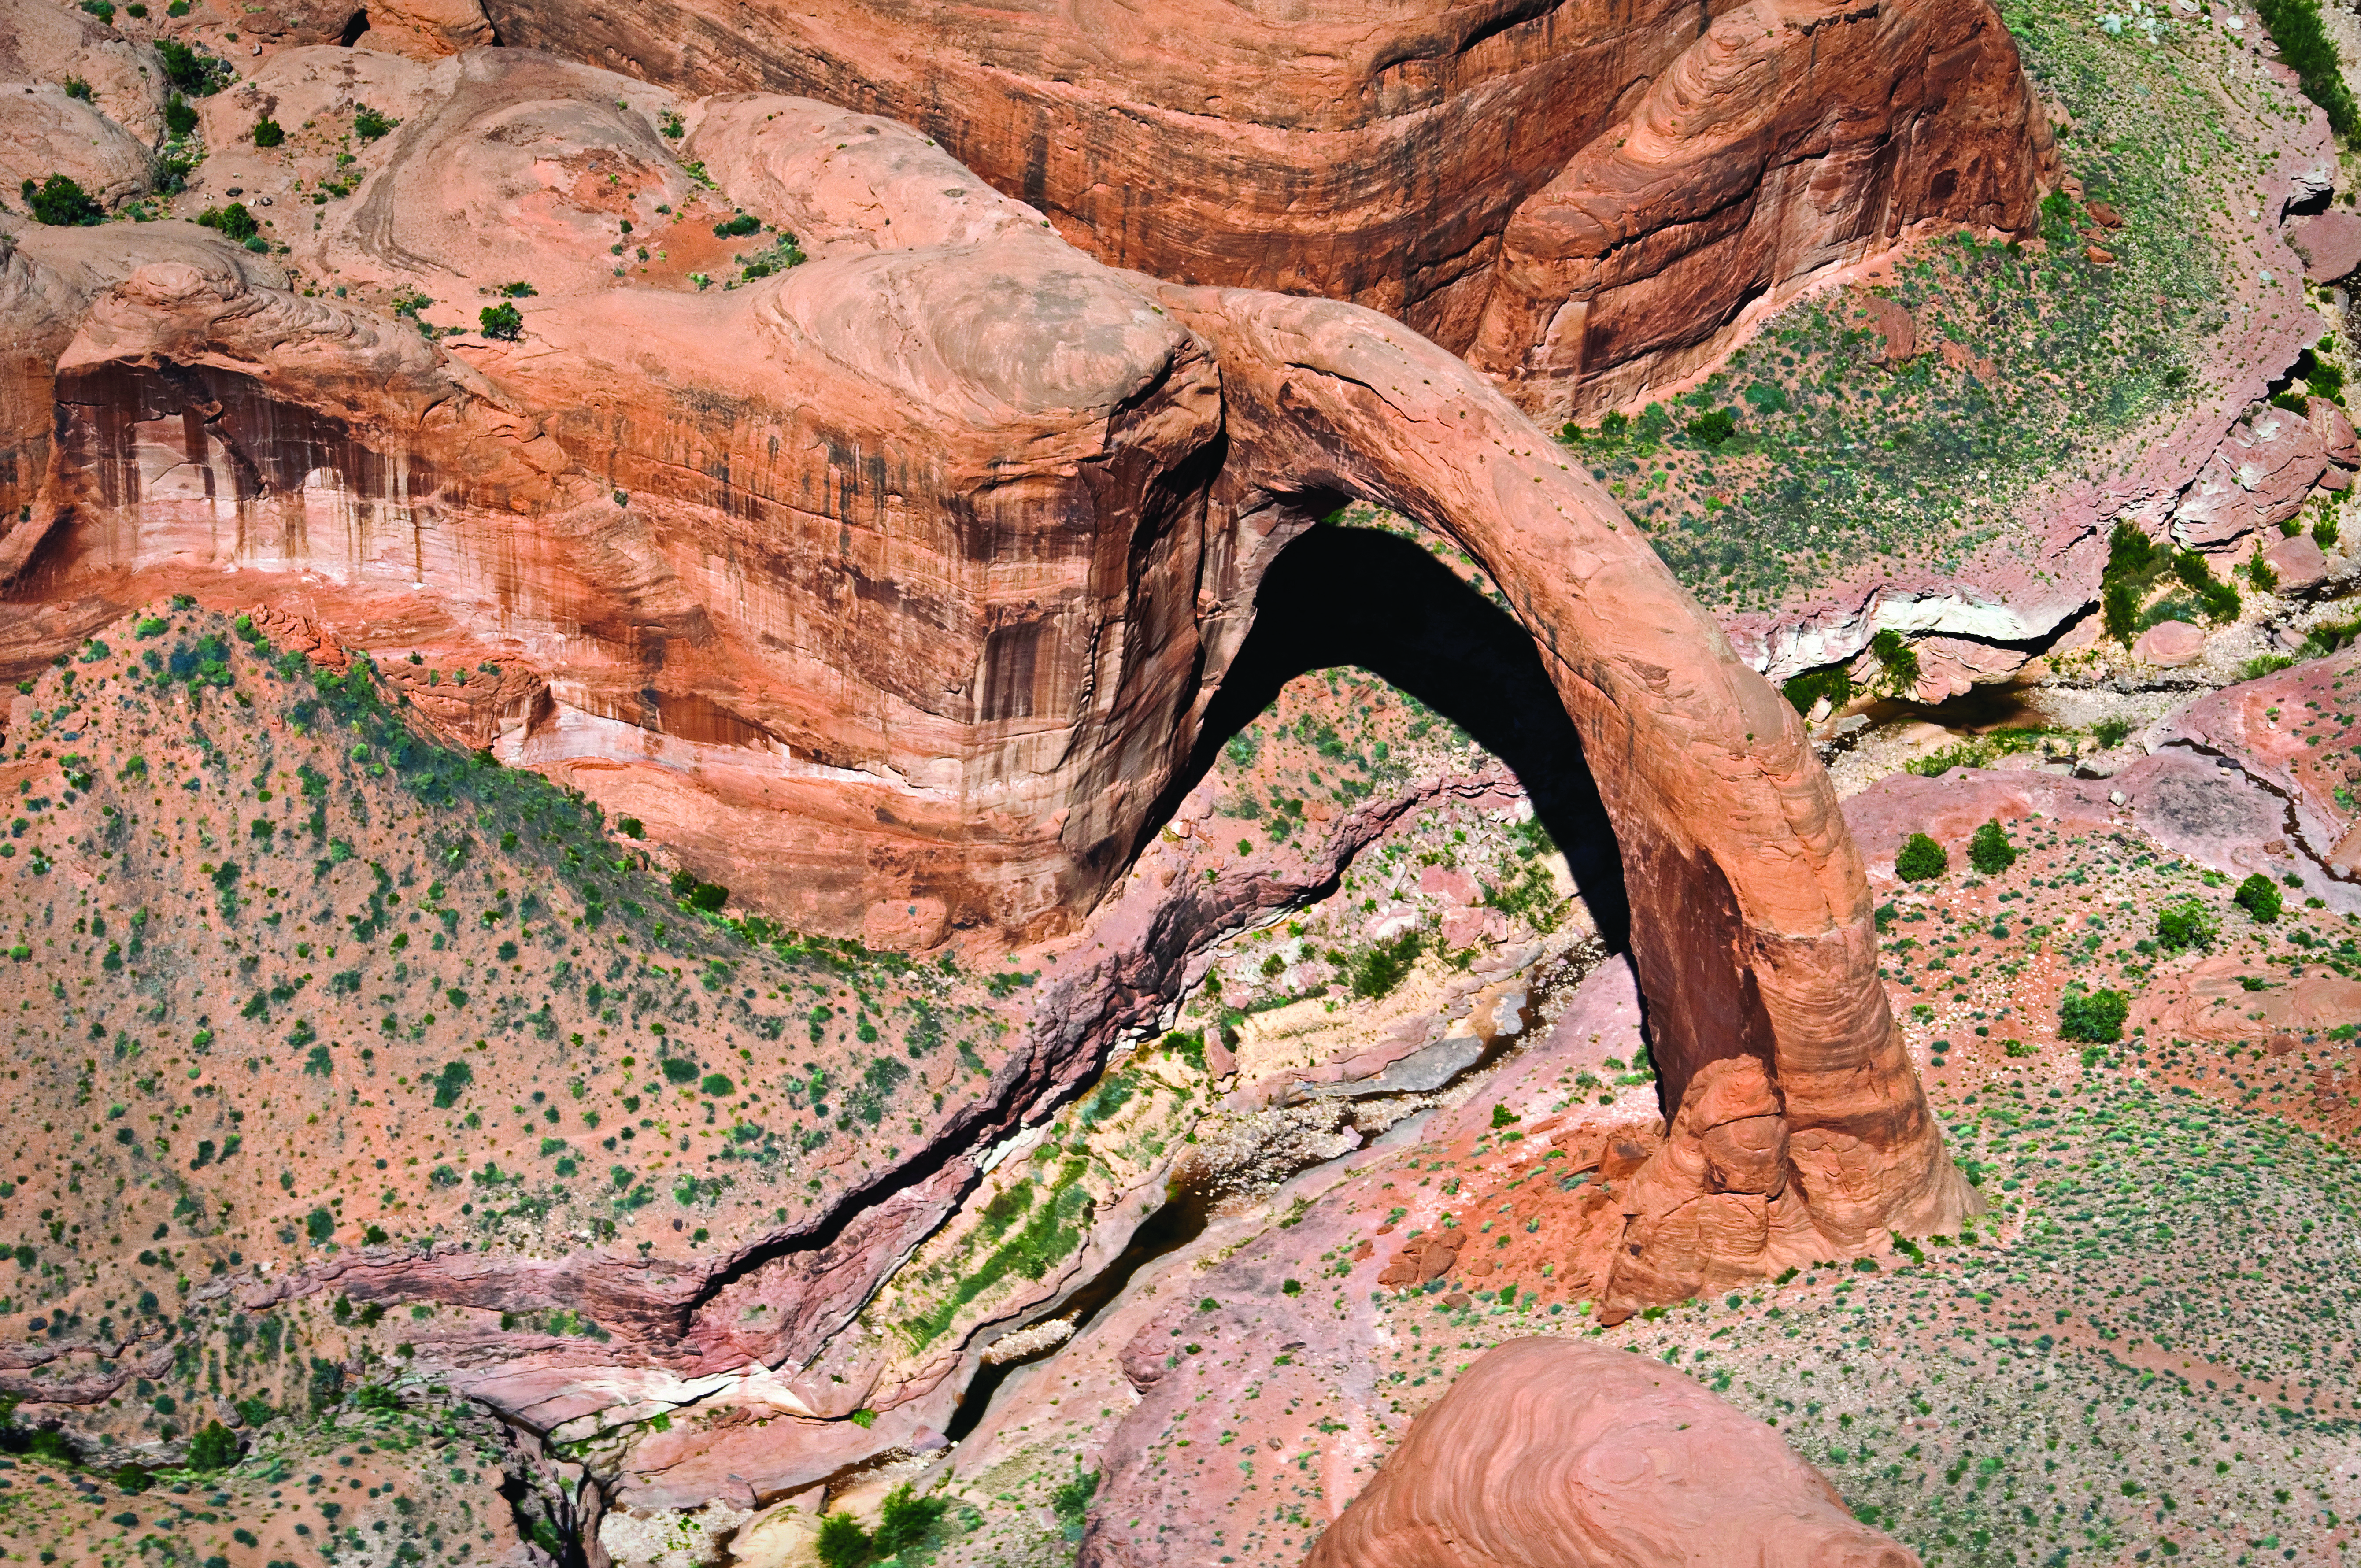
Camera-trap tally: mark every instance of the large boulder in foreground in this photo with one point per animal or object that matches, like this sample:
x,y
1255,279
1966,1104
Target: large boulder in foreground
x,y
1584,195
1549,1453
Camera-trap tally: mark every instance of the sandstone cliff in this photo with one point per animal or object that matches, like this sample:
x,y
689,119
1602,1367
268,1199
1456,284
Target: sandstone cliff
x,y
1580,196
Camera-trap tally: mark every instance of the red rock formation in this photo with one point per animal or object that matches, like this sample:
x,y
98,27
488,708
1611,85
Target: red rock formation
x,y
1754,908
1580,196
1557,1455
888,590
2263,472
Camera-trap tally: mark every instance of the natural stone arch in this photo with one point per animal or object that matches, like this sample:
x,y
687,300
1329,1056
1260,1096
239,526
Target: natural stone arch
x,y
1750,915
1171,439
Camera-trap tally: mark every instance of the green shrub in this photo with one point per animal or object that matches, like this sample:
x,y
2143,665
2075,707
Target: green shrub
x,y
1921,859
2096,1016
2111,733
369,125
1712,428
902,1520
2258,895
233,222
1990,852
2189,923
60,203
1806,690
77,88
198,75
1897,662
504,322
1072,1502
2260,572
451,1082
214,1448
179,117
843,1542
1383,967
2323,530
2220,599
679,1071
268,132
102,9
2134,560
2305,45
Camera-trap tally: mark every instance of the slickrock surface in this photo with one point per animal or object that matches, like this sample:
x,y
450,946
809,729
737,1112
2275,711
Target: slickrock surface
x,y
1563,1455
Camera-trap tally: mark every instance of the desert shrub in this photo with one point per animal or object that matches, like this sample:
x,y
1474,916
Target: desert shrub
x,y
2189,923
738,226
1990,852
268,132
2220,599
214,1448
369,125
2260,572
2111,733
102,9
2259,896
2096,1016
1806,690
1921,859
2295,26
198,75
904,1519
1897,662
60,203
1072,1502
1383,967
77,88
233,222
843,1542
1712,428
504,322
179,117
451,1082
679,1071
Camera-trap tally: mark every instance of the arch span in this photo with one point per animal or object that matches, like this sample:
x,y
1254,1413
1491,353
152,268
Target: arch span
x,y
1798,1124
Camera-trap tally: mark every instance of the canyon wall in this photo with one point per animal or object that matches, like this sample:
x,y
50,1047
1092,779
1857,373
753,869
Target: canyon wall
x,y
1581,197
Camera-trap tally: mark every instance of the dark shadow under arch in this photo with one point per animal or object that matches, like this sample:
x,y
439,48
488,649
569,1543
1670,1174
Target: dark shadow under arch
x,y
354,25
1362,595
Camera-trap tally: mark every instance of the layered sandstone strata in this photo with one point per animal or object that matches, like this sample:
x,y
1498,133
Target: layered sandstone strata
x,y
1561,1455
1580,196
888,589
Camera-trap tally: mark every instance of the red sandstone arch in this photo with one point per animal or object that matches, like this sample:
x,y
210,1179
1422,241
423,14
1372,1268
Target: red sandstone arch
x,y
930,576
